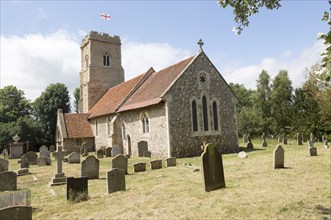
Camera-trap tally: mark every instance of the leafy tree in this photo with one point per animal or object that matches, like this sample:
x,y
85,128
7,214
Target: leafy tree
x,y
77,97
248,122
55,96
326,55
244,96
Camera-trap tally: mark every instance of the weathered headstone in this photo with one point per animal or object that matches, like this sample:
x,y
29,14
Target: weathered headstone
x,y
139,167
116,180
44,153
100,153
148,154
8,181
90,167
313,151
156,164
41,161
24,162
212,168
44,147
24,170
116,150
142,147
264,144
249,144
59,177
280,138
171,161
16,148
52,148
120,162
31,157
108,152
245,138
299,139
3,165
74,157
278,157
326,145
15,198
76,187
312,137
16,212
284,139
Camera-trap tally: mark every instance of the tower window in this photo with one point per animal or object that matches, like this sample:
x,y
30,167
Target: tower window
x,y
215,116
205,113
194,116
106,59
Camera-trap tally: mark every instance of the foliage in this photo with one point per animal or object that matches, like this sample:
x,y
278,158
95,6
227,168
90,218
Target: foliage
x,y
326,56
55,96
76,97
244,96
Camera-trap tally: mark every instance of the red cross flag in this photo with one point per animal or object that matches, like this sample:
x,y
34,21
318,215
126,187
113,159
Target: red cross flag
x,y
105,16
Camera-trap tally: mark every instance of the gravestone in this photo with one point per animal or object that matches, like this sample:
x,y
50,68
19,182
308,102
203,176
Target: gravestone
x,y
312,137
171,162
120,162
3,165
116,150
8,181
31,157
52,148
156,164
148,154
43,148
90,167
16,212
59,177
24,170
100,153
326,145
250,144
264,144
15,198
41,161
76,186
74,157
280,139
85,154
313,151
139,167
108,152
142,147
116,180
299,139
24,162
212,168
310,144
284,139
278,157
245,138
44,153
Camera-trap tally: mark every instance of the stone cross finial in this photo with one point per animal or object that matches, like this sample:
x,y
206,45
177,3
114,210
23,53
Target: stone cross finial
x,y
200,43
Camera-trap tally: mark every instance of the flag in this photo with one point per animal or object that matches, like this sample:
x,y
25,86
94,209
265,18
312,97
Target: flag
x,y
105,16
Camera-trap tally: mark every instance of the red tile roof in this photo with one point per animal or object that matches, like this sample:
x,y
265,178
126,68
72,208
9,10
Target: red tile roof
x,y
77,125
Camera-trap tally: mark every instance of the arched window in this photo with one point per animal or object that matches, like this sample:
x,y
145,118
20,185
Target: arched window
x,y
205,113
194,116
106,60
215,116
145,123
96,128
123,132
108,126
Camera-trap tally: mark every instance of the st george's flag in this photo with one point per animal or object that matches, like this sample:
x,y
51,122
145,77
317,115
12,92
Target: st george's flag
x,y
105,16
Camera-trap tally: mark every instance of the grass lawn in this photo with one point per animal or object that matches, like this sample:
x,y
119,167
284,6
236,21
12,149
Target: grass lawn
x,y
254,190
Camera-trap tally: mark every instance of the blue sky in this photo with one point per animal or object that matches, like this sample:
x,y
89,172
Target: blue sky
x,y
40,39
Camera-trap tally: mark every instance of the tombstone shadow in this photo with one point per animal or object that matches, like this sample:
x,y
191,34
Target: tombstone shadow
x,y
249,150
323,210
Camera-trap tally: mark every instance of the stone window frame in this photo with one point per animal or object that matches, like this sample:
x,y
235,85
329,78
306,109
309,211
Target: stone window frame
x,y
108,126
194,99
205,85
106,59
205,115
145,123
218,114
123,131
96,128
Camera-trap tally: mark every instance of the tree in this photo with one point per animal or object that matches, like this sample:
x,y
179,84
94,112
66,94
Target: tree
x,y
55,96
77,97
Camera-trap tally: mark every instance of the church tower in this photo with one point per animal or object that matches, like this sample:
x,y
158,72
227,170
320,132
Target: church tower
x,y
101,68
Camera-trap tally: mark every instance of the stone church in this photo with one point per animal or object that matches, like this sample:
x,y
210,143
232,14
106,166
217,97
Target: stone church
x,y
169,112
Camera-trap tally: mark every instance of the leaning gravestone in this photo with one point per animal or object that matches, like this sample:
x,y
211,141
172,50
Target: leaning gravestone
x,y
3,165
278,157
171,162
76,187
16,212
156,164
116,150
116,180
43,148
100,153
299,138
108,152
74,157
139,167
120,162
31,157
44,153
212,168
8,181
142,147
90,167
15,198
148,154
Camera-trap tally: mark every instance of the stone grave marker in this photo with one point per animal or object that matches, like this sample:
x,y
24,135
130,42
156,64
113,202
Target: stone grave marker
x,y
139,167
76,186
85,154
148,154
156,164
171,162
41,161
24,170
90,167
326,144
313,151
59,177
3,165
212,168
108,152
74,157
312,137
310,144
278,157
299,138
16,212
43,148
116,180
8,181
15,198
284,139
52,148
249,144
100,153
245,138
45,153
116,150
120,162
264,144
31,157
142,147
280,139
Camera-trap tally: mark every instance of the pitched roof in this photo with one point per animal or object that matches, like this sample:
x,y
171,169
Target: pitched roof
x,y
77,125
144,90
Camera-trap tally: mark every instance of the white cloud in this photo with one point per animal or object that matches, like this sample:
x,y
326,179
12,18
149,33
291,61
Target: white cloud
x,y
247,75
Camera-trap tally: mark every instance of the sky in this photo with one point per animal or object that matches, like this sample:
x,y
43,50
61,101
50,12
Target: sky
x,y
40,40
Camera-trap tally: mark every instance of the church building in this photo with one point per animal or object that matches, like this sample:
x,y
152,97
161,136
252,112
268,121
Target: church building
x,y
168,112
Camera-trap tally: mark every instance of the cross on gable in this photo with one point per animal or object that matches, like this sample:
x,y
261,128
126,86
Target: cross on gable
x,y
200,43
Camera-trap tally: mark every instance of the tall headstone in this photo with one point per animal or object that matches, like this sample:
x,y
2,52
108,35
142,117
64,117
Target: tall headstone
x,y
100,153
171,161
212,168
264,144
31,157
312,149
312,137
299,139
142,147
90,167
74,157
3,165
59,177
156,164
16,212
16,148
326,145
245,139
76,187
116,150
278,157
120,162
284,139
139,167
108,152
115,180
8,181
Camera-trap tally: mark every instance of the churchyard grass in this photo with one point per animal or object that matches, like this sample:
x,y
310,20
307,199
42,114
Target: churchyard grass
x,y
254,190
